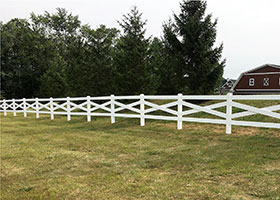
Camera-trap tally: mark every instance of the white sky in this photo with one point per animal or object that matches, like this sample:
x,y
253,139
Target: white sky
x,y
249,29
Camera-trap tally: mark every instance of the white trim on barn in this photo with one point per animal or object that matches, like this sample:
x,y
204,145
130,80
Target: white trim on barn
x,y
259,90
263,73
251,82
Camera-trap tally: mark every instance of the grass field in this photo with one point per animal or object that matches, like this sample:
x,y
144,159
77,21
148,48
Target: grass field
x,y
44,159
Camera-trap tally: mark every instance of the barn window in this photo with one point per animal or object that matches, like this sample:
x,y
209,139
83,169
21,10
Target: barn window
x,y
251,82
266,81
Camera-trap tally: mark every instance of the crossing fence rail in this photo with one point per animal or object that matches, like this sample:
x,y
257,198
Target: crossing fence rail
x,y
178,108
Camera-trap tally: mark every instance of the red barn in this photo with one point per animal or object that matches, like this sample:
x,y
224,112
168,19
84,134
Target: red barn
x,y
261,80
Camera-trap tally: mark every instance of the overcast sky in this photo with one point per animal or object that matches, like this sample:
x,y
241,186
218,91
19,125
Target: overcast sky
x,y
249,29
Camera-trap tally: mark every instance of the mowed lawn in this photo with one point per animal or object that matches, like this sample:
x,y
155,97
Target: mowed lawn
x,y
44,159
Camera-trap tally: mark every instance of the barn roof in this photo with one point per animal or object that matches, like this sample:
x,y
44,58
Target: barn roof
x,y
265,65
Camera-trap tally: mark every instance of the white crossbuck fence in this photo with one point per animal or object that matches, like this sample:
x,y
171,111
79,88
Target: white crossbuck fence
x,y
144,107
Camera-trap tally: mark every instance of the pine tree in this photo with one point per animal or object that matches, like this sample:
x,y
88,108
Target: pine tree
x,y
157,59
93,62
131,60
53,81
192,58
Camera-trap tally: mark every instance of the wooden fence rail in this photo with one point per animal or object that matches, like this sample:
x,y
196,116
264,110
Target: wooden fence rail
x,y
178,108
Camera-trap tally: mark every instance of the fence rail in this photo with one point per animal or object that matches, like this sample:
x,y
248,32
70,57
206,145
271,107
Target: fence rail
x,y
143,107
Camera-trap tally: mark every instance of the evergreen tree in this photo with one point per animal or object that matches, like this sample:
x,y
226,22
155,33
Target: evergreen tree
x,y
170,81
157,59
93,62
53,81
192,58
131,60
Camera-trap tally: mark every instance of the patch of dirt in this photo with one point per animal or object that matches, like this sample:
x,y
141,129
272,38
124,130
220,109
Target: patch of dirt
x,y
12,171
274,132
245,131
220,129
272,166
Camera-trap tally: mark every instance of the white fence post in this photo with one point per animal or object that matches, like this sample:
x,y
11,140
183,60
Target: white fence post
x,y
68,109
14,108
24,107
88,109
229,113
51,108
180,110
113,109
37,107
142,110
4,107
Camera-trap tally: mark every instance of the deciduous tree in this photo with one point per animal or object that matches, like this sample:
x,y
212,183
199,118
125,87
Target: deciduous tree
x,y
22,60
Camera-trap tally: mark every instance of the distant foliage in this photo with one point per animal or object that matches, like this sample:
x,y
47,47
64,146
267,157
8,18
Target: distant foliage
x,y
23,59
62,31
55,55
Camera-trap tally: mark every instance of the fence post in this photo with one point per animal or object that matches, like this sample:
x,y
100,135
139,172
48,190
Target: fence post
x,y
51,108
113,109
179,111
229,113
68,109
142,110
88,109
37,107
14,108
4,108
24,107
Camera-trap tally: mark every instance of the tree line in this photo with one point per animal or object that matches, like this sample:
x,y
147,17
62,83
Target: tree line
x,y
55,55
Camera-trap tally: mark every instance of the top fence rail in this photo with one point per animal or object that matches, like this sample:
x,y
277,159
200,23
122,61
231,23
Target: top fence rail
x,y
161,97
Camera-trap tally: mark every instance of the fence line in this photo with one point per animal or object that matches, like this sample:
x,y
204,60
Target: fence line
x,y
143,108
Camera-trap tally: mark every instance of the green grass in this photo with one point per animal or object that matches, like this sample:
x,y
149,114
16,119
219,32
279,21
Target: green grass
x,y
44,159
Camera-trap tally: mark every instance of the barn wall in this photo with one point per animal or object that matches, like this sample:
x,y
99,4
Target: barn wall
x,y
273,82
